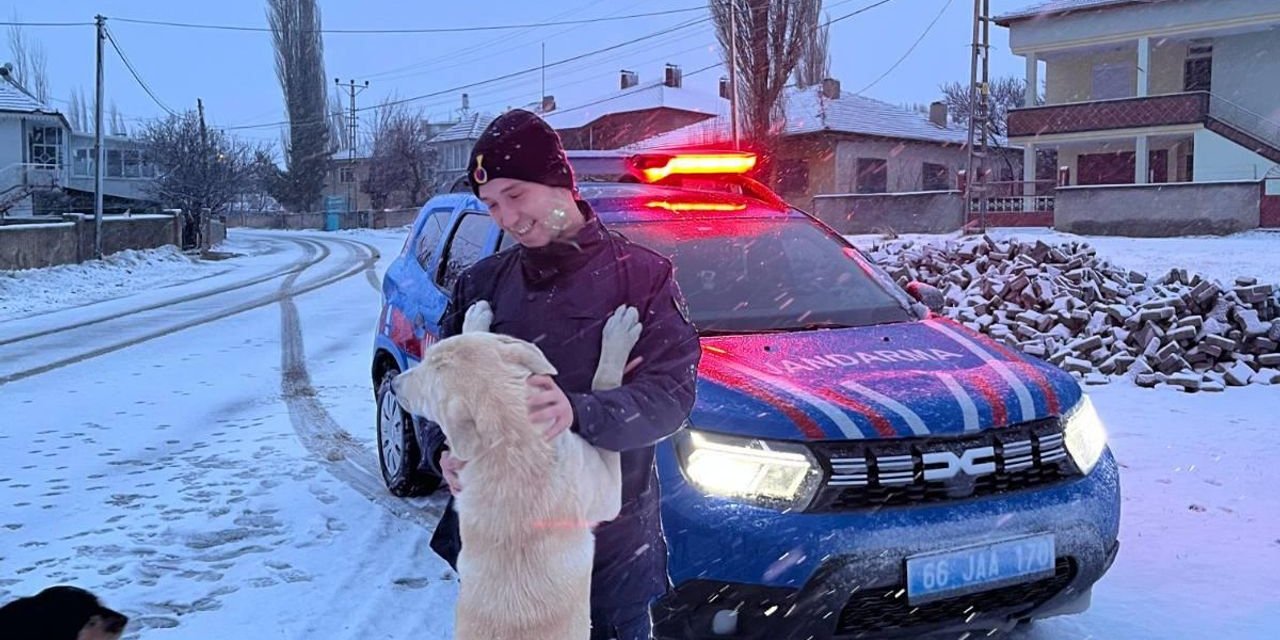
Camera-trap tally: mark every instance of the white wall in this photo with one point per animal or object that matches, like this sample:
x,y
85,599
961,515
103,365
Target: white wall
x,y
1217,158
1246,71
905,162
1158,19
10,150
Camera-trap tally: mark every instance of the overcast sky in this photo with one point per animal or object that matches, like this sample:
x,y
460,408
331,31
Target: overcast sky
x,y
233,71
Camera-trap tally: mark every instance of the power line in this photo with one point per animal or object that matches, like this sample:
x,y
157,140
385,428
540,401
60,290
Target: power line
x,y
128,65
500,78
503,27
13,23
910,49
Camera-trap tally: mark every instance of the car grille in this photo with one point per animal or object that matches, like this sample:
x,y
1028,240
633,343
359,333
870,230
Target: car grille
x,y
889,473
879,610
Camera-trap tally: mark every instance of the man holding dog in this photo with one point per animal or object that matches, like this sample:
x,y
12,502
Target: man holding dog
x,y
556,290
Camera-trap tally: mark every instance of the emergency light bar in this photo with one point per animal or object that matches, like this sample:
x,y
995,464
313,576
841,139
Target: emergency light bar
x,y
655,167
694,206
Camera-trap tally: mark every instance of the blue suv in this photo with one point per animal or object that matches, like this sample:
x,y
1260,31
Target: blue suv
x,y
855,465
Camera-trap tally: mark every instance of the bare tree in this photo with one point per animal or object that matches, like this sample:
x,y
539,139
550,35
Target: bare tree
x,y
1007,93
118,127
770,36
74,113
814,65
30,62
299,53
402,165
194,170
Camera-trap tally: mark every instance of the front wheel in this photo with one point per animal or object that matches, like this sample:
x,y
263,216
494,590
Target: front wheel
x,y
398,451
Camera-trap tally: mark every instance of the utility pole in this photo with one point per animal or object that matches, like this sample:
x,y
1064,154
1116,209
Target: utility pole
x,y
543,98
733,69
204,177
979,115
352,124
98,151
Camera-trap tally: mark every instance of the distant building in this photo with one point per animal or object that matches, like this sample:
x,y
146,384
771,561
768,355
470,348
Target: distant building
x,y
46,168
835,142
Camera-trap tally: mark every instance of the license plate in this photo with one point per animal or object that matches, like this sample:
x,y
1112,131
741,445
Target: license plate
x,y
945,574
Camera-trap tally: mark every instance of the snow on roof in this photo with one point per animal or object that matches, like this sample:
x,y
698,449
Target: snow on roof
x,y
14,98
1060,7
652,95
469,128
808,111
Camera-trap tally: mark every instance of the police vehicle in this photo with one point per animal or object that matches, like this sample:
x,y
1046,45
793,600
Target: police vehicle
x,y
855,465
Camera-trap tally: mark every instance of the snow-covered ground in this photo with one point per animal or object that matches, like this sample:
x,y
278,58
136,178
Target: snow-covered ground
x,y
221,481
34,291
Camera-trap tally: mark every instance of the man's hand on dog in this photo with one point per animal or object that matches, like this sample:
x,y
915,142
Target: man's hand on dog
x,y
549,406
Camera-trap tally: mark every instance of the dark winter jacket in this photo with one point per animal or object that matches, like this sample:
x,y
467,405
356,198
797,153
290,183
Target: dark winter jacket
x,y
558,297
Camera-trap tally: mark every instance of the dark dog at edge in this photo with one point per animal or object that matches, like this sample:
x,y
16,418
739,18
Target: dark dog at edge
x,y
60,613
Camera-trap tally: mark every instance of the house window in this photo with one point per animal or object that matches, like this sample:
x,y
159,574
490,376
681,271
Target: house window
x,y
1198,74
82,163
346,175
1114,80
793,175
115,163
45,148
873,175
937,177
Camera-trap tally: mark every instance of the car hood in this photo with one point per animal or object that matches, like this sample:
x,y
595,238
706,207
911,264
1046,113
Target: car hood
x,y
926,378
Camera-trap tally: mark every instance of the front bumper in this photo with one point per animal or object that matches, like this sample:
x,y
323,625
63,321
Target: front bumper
x,y
842,575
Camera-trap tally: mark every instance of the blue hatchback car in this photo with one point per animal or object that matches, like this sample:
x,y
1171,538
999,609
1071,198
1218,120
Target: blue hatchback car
x,y
855,466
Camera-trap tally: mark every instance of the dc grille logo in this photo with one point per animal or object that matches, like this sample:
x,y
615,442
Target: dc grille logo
x,y
945,465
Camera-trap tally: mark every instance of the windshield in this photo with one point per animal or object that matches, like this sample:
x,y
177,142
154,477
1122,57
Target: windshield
x,y
752,275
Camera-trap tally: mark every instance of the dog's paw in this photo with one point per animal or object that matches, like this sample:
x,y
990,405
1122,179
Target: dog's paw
x,y
478,319
622,331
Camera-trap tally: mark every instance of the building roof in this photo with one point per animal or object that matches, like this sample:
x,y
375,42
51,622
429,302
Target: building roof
x,y
642,97
468,128
808,111
14,99
1047,8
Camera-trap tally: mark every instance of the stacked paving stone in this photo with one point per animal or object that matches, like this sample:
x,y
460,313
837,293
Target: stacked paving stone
x,y
1098,321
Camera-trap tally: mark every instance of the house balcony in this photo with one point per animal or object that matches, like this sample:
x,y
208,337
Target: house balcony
x,y
1103,115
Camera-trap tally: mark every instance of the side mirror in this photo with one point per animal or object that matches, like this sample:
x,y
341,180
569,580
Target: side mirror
x,y
928,295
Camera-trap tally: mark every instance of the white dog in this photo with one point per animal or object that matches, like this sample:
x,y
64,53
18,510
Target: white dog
x,y
528,505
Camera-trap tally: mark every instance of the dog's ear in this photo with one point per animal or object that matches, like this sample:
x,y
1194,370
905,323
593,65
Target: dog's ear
x,y
526,355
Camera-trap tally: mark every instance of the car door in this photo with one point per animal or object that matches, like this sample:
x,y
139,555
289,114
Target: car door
x,y
408,288
472,236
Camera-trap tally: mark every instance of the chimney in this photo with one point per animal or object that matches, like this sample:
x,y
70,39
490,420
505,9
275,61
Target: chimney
x,y
831,88
724,88
675,77
938,113
466,102
629,79
548,104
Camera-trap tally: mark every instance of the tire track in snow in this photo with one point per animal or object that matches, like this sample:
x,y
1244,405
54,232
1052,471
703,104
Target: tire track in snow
x,y
308,259
344,456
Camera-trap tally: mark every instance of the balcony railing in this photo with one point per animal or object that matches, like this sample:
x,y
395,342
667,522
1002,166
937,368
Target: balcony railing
x,y
1103,115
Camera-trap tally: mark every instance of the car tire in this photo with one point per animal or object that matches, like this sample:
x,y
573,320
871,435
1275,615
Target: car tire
x,y
398,450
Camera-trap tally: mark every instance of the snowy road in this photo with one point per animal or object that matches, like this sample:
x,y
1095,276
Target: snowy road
x,y
201,454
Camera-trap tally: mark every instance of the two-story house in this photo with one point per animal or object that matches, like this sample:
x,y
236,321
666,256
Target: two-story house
x,y
1150,91
47,168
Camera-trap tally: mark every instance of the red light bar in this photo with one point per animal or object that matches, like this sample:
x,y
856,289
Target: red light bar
x,y
694,206
654,167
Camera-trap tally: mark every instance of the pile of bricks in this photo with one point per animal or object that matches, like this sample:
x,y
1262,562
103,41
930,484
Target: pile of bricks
x,y
1098,321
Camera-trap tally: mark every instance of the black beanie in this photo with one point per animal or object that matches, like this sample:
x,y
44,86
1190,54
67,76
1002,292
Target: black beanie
x,y
520,145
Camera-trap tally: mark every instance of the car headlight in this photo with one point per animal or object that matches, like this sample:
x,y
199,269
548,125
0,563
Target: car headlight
x,y
1084,434
779,475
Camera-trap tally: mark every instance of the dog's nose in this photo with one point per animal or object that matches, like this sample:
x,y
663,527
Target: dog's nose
x,y
116,624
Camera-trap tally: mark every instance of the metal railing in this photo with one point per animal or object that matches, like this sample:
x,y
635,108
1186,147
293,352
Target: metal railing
x,y
1244,119
1015,196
